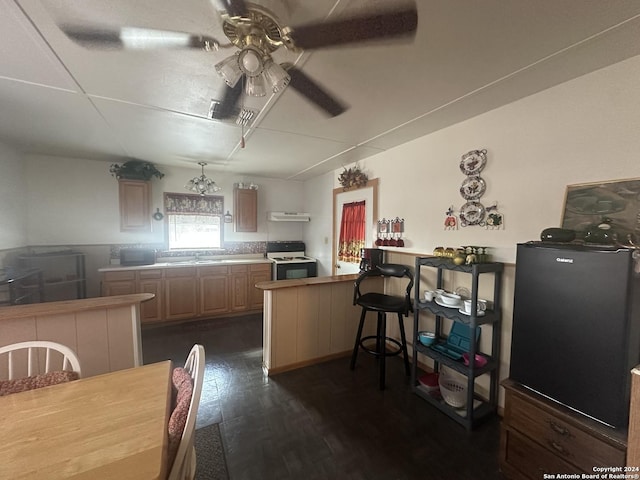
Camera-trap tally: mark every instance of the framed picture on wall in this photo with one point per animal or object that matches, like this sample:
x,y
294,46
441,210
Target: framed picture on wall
x,y
616,202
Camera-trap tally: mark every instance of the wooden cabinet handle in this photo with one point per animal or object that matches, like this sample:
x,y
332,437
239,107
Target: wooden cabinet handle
x,y
557,447
558,428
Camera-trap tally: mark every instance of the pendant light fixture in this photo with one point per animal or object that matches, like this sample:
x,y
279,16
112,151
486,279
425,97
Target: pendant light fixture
x,y
202,185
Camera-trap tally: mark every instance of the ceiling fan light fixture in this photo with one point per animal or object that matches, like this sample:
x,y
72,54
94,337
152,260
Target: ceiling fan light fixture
x,y
276,76
201,184
229,70
134,38
250,62
256,86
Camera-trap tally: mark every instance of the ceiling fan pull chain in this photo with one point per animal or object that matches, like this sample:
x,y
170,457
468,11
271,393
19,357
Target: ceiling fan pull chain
x,y
242,110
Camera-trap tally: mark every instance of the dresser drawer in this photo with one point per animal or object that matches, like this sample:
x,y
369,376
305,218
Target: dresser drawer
x,y
565,440
522,458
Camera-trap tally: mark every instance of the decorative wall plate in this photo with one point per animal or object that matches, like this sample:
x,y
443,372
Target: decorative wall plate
x,y
473,187
472,213
473,162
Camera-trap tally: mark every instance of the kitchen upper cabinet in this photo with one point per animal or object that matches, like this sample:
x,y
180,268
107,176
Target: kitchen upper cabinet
x,y
135,205
180,291
245,218
214,290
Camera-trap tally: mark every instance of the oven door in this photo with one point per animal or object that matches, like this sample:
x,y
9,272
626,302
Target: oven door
x,y
286,271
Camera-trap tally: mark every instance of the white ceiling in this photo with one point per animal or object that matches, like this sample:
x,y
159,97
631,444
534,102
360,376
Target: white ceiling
x,y
468,57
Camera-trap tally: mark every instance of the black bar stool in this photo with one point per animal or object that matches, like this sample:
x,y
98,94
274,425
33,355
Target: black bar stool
x,y
383,304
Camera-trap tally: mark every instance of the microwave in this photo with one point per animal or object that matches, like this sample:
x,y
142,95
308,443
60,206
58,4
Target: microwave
x,y
137,256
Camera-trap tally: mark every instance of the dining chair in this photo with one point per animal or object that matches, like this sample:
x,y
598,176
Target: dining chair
x,y
56,357
184,463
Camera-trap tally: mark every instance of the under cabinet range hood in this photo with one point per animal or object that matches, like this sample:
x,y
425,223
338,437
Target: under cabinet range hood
x,y
288,217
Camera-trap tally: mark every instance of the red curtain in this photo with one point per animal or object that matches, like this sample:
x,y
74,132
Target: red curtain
x,y
352,232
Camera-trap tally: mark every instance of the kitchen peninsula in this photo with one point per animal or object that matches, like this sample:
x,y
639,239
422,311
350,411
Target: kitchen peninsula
x,y
310,320
103,331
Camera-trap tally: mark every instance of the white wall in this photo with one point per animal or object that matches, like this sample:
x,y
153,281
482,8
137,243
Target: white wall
x,y
75,202
13,206
318,232
581,131
585,130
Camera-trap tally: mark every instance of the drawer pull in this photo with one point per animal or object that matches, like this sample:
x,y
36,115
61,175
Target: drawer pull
x,y
558,429
557,447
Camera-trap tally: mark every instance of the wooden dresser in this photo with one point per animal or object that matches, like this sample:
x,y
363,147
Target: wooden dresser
x,y
539,436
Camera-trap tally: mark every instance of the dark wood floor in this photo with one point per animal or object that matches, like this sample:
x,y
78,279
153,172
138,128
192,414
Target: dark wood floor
x,y
324,421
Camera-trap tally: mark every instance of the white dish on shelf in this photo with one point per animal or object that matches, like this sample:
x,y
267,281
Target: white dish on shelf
x,y
480,313
439,302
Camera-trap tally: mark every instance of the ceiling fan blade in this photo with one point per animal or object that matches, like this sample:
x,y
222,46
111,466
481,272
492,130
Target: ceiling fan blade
x,y
227,106
234,8
314,92
357,29
137,38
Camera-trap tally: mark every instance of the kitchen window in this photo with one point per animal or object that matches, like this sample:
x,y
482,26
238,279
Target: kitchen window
x,y
194,221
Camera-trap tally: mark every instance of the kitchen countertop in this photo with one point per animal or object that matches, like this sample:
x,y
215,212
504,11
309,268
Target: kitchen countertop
x,y
302,282
188,263
66,307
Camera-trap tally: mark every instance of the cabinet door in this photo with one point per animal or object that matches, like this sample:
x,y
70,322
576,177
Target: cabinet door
x,y
245,217
259,273
135,210
118,283
124,287
151,310
180,292
239,290
214,294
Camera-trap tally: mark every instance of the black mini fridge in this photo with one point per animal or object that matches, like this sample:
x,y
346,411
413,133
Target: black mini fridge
x,y
576,326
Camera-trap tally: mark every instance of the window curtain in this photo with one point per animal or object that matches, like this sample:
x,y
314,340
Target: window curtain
x,y
184,203
352,232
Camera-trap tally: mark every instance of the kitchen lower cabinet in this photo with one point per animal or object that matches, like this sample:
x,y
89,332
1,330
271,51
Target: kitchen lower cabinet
x,y
150,281
239,287
118,283
181,293
540,437
143,281
186,292
258,272
214,290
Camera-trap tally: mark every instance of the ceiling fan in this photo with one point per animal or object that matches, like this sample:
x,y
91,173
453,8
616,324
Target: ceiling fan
x,y
257,33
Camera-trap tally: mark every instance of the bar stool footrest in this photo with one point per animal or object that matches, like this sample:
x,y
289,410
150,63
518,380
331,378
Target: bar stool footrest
x,y
386,353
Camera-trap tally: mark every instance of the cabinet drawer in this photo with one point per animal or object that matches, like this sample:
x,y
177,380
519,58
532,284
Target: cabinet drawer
x,y
239,268
180,272
562,438
260,267
144,274
217,270
530,460
119,276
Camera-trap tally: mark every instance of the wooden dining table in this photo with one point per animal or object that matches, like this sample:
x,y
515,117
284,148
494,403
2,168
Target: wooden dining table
x,y
111,426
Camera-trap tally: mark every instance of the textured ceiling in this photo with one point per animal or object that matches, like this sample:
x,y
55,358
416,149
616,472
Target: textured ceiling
x,y
467,57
